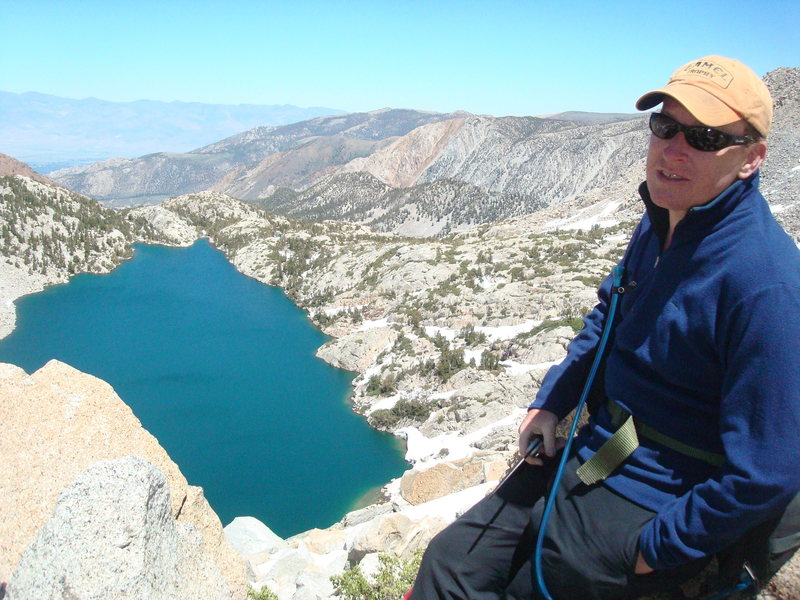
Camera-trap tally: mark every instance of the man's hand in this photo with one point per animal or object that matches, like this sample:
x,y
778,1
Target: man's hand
x,y
642,568
538,422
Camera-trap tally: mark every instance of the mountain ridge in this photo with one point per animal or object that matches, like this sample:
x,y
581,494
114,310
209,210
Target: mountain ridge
x,y
520,163
155,177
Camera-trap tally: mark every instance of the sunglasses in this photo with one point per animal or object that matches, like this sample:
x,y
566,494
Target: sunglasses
x,y
699,137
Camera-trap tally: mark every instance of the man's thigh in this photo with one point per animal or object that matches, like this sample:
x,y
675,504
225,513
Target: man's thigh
x,y
591,540
591,546
477,555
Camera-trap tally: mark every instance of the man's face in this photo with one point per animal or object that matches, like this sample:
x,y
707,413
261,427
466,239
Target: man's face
x,y
680,177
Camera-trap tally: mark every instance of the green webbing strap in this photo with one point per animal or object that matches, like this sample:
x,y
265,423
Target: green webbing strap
x,y
611,454
626,439
646,431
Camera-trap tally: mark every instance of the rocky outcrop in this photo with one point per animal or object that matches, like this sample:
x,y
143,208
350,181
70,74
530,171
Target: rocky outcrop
x,y
785,585
57,423
358,350
300,567
112,535
443,479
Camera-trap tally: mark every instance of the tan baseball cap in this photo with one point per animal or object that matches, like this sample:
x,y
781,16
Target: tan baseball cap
x,y
717,91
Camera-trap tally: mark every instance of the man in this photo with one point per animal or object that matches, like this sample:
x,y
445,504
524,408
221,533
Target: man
x,y
695,433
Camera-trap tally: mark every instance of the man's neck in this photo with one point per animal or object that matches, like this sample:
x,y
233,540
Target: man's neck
x,y
675,217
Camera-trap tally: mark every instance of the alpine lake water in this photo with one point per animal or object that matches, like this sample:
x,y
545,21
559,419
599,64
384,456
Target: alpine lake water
x,y
221,370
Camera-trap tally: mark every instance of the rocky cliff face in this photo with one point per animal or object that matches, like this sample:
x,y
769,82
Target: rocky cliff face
x,y
781,172
58,423
457,174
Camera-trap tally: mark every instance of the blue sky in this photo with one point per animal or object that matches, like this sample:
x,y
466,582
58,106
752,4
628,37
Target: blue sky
x,y
500,57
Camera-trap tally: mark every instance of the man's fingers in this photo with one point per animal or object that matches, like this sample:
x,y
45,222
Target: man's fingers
x,y
542,423
549,439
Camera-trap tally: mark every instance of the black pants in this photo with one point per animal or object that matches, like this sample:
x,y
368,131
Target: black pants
x,y
589,552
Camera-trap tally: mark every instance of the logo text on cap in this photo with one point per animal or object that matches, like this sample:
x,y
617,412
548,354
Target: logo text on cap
x,y
709,71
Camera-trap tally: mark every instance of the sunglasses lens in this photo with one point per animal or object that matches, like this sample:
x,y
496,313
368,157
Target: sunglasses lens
x,y
662,126
707,139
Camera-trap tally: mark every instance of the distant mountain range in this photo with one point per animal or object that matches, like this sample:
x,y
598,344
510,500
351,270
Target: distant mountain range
x,y
50,132
422,173
285,155
409,171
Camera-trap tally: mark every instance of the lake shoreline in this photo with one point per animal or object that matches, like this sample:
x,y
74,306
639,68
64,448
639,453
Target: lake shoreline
x,y
282,339
14,284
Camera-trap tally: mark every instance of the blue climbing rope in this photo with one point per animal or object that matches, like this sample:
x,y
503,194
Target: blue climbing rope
x,y
617,289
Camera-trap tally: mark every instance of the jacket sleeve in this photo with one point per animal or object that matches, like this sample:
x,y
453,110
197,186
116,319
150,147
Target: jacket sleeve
x,y
760,433
562,385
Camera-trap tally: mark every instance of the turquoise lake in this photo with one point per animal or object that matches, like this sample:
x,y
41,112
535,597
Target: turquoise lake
x,y
221,370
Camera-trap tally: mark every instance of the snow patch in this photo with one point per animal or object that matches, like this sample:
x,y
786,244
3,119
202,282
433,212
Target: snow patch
x,y
373,324
507,332
493,334
516,368
473,355
601,219
488,283
448,334
426,452
384,404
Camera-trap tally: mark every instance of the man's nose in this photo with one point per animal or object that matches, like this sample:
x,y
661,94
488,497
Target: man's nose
x,y
677,146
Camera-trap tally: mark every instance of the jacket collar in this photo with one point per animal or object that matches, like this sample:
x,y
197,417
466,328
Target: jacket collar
x,y
699,220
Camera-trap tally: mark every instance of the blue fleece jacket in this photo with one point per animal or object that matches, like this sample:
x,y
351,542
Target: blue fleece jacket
x,y
706,350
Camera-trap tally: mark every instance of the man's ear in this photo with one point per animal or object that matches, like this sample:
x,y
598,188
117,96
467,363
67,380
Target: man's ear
x,y
757,151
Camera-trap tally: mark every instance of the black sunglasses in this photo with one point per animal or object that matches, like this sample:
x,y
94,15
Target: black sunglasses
x,y
699,137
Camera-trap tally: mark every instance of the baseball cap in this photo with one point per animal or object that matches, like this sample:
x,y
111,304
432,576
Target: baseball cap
x,y
717,91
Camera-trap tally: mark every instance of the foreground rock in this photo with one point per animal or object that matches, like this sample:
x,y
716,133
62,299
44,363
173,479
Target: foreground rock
x,y
57,423
112,535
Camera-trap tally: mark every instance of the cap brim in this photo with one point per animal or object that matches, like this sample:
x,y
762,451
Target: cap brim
x,y
705,107
650,99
